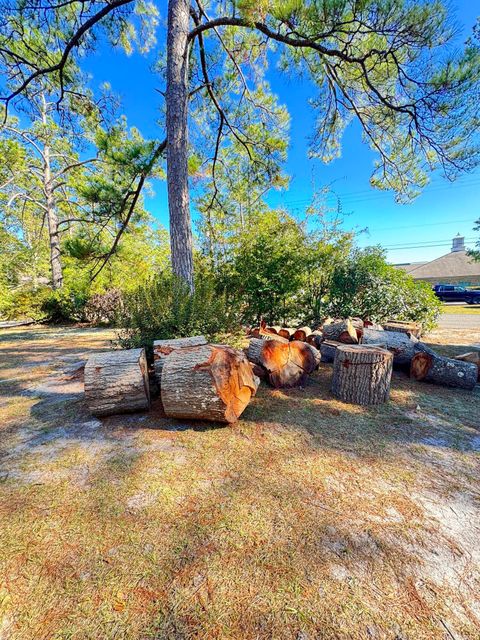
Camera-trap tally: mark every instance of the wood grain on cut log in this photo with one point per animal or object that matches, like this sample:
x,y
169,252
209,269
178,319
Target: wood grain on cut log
x,y
429,366
410,328
207,382
302,334
286,365
163,348
400,344
274,329
362,374
117,382
346,331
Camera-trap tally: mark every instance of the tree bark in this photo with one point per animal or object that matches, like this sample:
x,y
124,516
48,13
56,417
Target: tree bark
x,y
117,382
328,348
286,364
429,366
176,99
51,213
207,382
410,328
163,348
400,344
346,331
362,374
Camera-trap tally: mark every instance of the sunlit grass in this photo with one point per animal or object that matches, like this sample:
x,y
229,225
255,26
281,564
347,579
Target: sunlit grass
x,y
464,309
301,521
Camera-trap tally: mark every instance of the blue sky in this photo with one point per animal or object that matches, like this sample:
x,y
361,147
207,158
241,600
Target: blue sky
x,y
440,212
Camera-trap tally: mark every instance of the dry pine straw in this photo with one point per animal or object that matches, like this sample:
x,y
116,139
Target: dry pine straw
x,y
308,519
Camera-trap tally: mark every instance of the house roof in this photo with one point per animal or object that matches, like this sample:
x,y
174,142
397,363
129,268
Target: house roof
x,y
410,266
452,265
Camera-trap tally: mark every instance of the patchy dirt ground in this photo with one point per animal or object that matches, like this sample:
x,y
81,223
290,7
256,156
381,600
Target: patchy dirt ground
x,y
309,519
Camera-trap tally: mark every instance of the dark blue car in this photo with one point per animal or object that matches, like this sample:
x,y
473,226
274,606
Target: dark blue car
x,y
452,293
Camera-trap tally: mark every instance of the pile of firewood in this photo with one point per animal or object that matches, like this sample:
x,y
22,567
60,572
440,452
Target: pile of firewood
x,y
214,382
401,339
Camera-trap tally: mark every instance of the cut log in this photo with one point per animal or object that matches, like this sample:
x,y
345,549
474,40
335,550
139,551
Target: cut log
x,y
117,382
286,333
400,344
163,348
345,331
302,334
471,356
410,328
275,329
328,349
429,366
207,382
286,365
315,338
362,374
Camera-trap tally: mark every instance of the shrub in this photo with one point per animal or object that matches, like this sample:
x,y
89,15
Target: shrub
x,y
65,305
103,308
165,308
366,286
25,302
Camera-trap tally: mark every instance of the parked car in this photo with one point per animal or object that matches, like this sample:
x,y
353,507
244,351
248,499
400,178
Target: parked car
x,y
452,293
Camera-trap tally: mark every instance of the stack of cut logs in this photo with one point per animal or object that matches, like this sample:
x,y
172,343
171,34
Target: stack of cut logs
x,y
205,381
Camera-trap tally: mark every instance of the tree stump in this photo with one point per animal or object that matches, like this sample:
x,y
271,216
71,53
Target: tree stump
x,y
117,382
163,348
362,374
429,366
207,382
286,364
400,344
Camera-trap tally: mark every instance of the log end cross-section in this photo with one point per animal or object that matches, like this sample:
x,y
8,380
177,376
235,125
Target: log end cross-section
x,y
207,382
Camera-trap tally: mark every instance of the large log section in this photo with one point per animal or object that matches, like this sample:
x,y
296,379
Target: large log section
x,y
286,364
430,367
400,344
163,348
207,382
117,382
362,374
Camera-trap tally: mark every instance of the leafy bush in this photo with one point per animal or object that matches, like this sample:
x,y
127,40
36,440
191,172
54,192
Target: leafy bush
x,y
103,308
366,286
165,308
25,302
65,305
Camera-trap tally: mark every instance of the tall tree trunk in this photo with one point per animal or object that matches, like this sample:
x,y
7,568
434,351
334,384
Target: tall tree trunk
x,y
177,139
52,218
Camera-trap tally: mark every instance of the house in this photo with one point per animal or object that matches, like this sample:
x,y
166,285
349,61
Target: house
x,y
455,267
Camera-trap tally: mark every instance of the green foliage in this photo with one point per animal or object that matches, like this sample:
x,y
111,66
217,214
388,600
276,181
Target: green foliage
x,y
475,253
65,305
265,269
164,308
24,303
366,286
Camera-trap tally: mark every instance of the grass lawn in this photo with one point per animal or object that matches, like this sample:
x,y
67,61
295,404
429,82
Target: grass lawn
x,y
308,519
468,309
